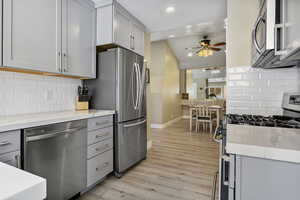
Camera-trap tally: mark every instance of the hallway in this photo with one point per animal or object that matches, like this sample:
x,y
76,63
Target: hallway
x,y
180,166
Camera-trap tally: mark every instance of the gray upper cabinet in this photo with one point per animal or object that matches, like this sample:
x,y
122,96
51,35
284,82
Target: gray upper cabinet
x,y
55,36
137,38
287,29
122,29
79,38
115,25
31,34
1,4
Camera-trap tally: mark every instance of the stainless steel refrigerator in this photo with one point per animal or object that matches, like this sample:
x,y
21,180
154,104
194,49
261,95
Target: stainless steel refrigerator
x,y
120,86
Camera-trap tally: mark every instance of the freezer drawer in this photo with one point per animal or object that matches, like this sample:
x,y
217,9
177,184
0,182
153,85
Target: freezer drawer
x,y
131,144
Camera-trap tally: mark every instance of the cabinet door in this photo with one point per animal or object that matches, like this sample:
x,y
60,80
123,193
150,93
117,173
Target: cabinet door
x,y
79,38
1,4
122,30
32,34
138,39
292,23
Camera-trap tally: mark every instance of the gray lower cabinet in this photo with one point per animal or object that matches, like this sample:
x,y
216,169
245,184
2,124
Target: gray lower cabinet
x,y
262,179
10,148
100,149
55,36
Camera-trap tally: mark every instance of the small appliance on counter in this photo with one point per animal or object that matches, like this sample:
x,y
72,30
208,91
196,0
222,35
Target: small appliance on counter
x,y
83,98
289,121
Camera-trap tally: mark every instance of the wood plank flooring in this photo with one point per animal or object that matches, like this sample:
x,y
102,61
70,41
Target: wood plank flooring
x,y
180,166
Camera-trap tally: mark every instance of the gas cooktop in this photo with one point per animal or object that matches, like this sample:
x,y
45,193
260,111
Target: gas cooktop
x,y
258,120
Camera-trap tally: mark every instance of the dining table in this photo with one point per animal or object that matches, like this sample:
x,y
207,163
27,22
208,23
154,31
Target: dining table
x,y
212,108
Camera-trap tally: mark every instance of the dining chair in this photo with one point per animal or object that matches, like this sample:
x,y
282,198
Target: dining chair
x,y
193,115
205,117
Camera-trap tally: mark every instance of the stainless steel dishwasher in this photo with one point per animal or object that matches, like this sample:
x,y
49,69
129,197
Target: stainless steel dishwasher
x,y
58,153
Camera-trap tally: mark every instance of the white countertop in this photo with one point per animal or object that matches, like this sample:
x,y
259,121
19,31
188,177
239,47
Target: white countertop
x,y
16,184
40,119
281,144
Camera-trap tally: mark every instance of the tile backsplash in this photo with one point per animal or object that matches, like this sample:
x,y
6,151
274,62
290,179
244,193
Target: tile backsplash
x,y
259,91
26,93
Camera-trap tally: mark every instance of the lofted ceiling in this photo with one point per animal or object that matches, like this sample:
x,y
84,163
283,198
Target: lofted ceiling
x,y
191,20
187,12
179,45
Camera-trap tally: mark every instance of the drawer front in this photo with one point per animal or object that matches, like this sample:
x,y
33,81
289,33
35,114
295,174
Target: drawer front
x,y
99,166
12,159
9,141
100,147
100,122
100,135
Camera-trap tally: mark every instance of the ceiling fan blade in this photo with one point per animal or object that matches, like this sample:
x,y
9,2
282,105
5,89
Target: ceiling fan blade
x,y
191,48
219,44
215,49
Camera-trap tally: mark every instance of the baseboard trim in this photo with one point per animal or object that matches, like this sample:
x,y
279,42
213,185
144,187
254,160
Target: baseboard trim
x,y
166,124
149,144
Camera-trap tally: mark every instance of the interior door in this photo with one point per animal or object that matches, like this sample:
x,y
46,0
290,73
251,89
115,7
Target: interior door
x,y
132,144
79,38
32,34
128,86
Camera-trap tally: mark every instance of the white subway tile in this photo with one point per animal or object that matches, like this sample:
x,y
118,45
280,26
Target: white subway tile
x,y
26,93
259,91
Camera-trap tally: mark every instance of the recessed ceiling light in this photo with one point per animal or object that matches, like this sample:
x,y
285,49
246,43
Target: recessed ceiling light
x,y
190,54
188,31
170,9
171,36
188,26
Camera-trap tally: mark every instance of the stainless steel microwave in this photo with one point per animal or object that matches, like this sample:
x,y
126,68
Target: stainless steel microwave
x,y
268,37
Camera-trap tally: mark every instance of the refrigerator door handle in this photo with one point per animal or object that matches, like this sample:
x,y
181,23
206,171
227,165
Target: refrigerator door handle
x,y
137,73
142,84
135,124
134,79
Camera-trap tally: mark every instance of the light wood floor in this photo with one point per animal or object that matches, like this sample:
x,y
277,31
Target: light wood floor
x,y
180,166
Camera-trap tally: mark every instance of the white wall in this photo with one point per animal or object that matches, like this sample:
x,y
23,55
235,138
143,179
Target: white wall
x,y
26,93
259,91
165,97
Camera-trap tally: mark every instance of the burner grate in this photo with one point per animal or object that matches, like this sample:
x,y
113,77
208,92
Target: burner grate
x,y
258,120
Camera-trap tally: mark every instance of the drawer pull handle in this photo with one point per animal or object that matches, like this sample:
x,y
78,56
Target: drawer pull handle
x,y
5,143
102,136
106,164
103,148
102,123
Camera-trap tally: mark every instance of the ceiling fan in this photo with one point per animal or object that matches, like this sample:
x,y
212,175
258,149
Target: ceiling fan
x,y
205,48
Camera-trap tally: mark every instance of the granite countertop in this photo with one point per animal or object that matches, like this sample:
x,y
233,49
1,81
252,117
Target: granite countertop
x,y
17,184
281,144
40,119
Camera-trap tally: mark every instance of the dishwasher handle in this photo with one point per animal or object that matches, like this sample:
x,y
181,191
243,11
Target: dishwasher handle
x,y
52,135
